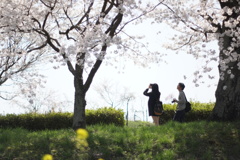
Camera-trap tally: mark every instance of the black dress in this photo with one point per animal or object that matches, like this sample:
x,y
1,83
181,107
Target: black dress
x,y
153,97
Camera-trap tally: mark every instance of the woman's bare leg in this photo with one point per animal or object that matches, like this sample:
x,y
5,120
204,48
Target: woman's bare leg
x,y
153,117
155,120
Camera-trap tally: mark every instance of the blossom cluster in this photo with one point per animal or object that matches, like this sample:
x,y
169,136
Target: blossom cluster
x,y
199,23
70,33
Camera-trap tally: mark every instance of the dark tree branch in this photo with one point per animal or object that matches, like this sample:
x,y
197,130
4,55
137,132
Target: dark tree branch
x,y
45,20
78,23
86,14
115,23
3,80
93,71
66,13
11,62
35,20
69,64
45,4
104,11
8,65
111,31
7,99
210,21
28,9
37,48
49,40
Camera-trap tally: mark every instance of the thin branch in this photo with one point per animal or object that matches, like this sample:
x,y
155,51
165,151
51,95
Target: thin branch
x,y
7,99
38,48
69,64
78,23
184,22
141,15
45,20
66,13
187,43
45,4
8,66
35,20
134,39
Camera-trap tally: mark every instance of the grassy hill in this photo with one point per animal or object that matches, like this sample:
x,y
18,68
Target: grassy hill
x,y
141,141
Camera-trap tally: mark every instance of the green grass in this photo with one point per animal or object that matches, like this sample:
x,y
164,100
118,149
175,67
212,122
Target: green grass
x,y
141,141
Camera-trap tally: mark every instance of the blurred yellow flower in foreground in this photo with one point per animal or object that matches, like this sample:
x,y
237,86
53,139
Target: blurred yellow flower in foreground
x,y
47,157
100,159
82,134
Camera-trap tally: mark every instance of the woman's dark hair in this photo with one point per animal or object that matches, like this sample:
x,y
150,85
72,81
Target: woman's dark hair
x,y
181,85
155,88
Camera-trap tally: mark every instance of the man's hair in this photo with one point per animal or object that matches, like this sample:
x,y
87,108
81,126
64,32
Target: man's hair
x,y
181,85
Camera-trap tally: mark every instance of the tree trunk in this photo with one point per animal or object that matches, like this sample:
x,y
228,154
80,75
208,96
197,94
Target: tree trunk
x,y
227,95
79,120
81,88
227,105
79,110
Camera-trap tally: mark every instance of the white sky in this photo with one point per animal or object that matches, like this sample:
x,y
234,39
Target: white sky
x,y
136,78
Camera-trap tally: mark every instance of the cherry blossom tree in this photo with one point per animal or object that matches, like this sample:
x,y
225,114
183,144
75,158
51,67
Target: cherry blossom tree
x,y
18,63
80,33
198,23
42,100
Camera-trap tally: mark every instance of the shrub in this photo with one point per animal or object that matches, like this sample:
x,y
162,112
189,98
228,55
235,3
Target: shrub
x,y
200,111
105,116
53,121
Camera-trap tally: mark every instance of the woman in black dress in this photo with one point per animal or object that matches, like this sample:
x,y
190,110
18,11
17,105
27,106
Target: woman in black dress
x,y
154,96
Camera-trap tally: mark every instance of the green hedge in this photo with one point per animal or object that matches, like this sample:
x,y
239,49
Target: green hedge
x,y
200,111
54,121
105,116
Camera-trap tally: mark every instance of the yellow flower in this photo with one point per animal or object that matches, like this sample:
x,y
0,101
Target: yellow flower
x,y
47,157
85,143
100,159
82,134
